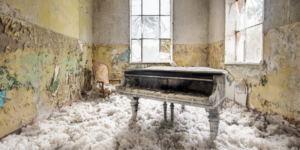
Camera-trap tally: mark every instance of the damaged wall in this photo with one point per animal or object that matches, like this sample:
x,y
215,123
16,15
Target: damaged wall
x,y
39,70
117,58
72,18
273,86
112,34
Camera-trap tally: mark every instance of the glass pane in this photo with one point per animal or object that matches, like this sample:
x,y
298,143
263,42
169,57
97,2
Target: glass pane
x,y
150,7
165,51
240,46
150,50
241,15
136,27
240,5
165,7
254,44
136,51
165,25
150,27
136,7
254,12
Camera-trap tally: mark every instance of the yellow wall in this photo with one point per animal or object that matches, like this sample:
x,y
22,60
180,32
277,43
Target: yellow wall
x,y
69,17
86,20
27,72
117,57
275,84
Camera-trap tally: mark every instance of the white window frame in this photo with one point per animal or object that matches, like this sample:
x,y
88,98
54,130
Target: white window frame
x,y
171,34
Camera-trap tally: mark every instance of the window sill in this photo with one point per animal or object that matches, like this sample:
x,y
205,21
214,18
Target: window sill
x,y
149,63
241,64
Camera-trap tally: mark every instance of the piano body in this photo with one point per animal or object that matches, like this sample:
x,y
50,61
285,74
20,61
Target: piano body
x,y
193,86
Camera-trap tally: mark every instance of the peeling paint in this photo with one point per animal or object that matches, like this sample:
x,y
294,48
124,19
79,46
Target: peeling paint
x,y
124,57
274,82
229,79
3,98
29,78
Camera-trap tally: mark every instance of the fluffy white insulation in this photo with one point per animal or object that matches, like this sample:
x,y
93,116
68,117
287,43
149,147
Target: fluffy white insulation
x,y
104,124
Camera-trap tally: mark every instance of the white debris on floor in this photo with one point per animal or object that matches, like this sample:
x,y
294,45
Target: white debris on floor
x,y
105,124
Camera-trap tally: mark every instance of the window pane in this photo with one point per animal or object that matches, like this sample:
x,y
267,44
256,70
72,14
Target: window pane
x,y
241,15
136,7
136,51
240,46
165,51
254,44
165,25
150,50
150,27
254,12
136,27
165,7
150,7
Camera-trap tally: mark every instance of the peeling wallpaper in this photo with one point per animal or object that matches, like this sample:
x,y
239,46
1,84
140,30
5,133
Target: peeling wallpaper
x,y
216,55
190,55
117,57
39,70
274,85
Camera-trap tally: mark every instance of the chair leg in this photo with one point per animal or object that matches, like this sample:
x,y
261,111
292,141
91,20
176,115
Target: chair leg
x,y
104,95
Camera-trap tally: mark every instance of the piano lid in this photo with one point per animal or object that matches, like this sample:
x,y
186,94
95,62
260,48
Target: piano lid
x,y
186,69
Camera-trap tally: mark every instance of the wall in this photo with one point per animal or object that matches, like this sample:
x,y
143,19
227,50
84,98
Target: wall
x,y
216,21
216,36
112,29
43,64
272,87
72,18
190,22
86,20
111,22
279,13
112,26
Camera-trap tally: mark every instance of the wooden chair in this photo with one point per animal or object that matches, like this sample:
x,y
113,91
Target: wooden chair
x,y
101,75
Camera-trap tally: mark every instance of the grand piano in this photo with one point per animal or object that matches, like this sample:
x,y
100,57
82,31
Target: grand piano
x,y
194,86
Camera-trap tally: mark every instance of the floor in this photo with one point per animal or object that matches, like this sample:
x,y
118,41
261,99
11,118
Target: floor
x,y
103,124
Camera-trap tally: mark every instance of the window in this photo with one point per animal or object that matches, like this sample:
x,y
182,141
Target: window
x,y
249,35
151,31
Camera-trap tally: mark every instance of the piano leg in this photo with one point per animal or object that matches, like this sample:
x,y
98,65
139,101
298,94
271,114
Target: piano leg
x,y
213,118
172,112
134,107
165,111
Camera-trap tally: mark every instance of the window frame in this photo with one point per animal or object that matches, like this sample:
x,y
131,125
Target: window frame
x,y
245,42
171,34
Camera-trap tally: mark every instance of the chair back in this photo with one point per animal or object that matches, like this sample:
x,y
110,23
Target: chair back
x,y
100,71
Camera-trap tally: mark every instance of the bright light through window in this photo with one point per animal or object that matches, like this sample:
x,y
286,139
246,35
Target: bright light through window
x,y
249,31
151,31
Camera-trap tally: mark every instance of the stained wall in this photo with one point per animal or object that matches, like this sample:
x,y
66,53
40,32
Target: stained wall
x,y
272,87
112,34
45,58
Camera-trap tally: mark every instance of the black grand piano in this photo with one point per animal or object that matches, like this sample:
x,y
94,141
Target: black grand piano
x,y
193,86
